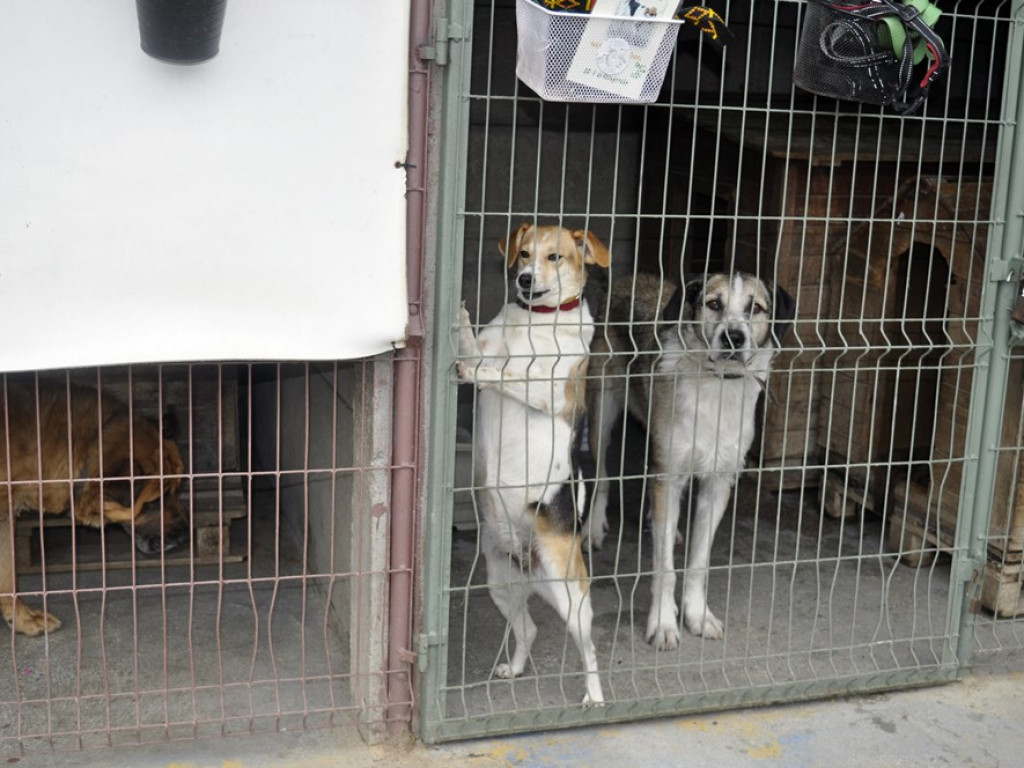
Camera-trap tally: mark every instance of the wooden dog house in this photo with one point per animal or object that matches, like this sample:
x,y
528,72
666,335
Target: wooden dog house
x,y
905,293
802,216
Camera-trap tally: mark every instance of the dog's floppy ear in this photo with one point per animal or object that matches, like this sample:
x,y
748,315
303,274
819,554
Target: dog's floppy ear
x,y
592,249
683,303
674,309
694,289
510,248
783,314
173,465
120,491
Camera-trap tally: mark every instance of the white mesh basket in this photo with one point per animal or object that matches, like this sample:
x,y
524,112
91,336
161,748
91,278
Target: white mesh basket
x,y
581,57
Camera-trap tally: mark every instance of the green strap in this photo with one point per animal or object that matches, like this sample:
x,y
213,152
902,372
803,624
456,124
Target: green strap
x,y
898,34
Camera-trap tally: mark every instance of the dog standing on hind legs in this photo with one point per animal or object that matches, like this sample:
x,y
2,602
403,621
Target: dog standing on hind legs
x,y
530,365
691,362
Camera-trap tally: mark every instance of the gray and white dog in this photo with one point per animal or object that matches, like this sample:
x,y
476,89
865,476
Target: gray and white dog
x,y
691,361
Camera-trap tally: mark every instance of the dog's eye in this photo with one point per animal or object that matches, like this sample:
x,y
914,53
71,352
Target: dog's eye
x,y
524,255
714,305
554,257
759,309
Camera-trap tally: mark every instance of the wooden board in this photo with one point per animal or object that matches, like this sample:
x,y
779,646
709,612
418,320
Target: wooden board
x,y
1001,588
211,539
203,399
921,523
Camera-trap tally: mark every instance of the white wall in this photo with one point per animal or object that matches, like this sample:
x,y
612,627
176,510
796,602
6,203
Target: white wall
x,y
244,208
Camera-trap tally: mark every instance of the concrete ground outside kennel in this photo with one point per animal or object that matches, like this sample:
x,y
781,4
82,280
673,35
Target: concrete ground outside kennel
x,y
976,722
973,722
804,598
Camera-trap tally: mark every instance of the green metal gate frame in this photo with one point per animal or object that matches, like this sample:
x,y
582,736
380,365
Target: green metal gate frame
x,y
451,55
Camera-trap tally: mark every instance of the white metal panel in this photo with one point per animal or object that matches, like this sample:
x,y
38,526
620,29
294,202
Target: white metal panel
x,y
246,207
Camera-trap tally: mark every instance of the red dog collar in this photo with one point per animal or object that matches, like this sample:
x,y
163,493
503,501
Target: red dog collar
x,y
571,304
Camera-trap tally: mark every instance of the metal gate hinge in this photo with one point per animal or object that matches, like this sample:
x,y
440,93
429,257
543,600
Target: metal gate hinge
x,y
968,571
445,32
423,644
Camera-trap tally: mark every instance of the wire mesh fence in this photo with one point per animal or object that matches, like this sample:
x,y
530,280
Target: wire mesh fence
x,y
239,584
999,636
841,562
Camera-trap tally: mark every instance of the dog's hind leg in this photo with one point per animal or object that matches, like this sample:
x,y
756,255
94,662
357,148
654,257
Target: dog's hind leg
x,y
24,619
712,501
605,406
510,590
560,577
604,409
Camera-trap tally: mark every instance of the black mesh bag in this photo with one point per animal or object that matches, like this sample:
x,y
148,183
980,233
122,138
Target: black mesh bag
x,y
875,52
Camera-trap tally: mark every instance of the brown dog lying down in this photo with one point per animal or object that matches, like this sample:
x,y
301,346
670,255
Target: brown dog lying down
x,y
46,467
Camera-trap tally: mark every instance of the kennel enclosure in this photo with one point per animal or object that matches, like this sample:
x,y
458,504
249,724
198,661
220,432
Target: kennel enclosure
x,y
882,499
278,627
154,214
856,546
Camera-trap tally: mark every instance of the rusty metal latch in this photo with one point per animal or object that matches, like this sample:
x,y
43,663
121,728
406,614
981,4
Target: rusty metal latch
x,y
969,573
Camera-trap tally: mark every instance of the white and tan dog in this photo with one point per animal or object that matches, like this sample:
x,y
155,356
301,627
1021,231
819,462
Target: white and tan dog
x,y
530,364
692,362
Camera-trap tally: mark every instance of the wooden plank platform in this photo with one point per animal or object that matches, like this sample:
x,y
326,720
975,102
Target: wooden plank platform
x,y
921,523
211,539
917,533
844,495
1001,588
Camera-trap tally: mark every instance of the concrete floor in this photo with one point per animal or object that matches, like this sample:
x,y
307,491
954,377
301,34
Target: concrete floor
x,y
204,650
804,598
976,722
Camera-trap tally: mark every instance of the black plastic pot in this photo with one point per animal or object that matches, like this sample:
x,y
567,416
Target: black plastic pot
x,y
182,31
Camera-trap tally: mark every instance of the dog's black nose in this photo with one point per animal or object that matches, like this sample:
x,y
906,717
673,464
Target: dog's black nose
x,y
736,339
525,281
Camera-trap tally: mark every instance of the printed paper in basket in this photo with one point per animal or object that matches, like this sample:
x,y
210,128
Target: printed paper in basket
x,y
616,56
